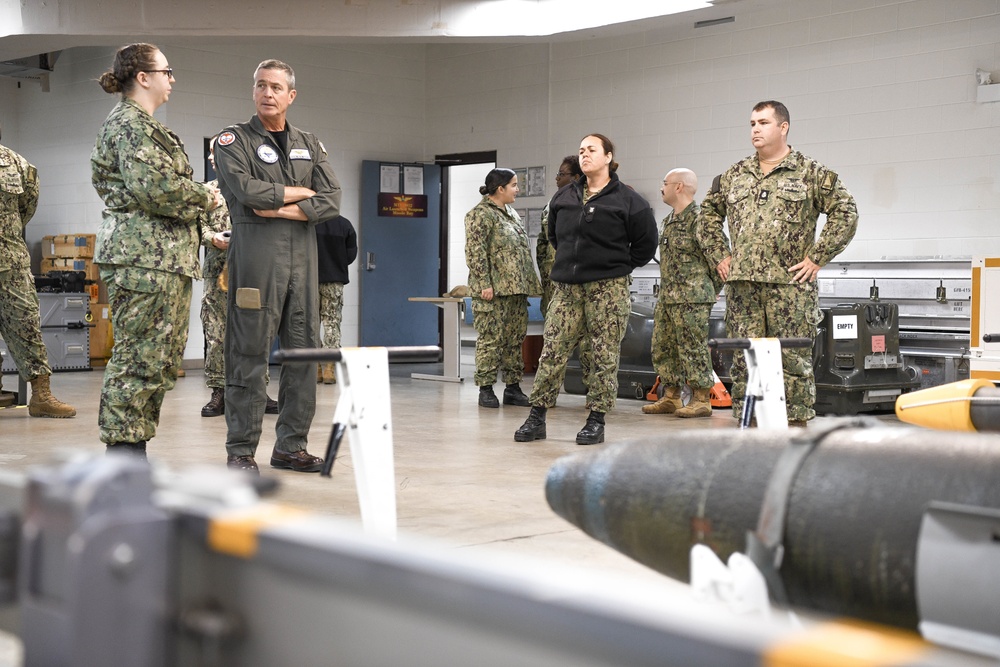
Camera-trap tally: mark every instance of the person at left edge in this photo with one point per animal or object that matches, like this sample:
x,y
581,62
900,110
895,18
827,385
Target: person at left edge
x,y
147,246
278,184
19,318
501,277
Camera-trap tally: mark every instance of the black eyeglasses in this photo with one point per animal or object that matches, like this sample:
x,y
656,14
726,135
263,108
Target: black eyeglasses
x,y
564,173
169,71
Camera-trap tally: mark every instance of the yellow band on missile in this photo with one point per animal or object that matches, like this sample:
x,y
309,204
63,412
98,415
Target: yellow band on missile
x,y
945,407
846,644
235,532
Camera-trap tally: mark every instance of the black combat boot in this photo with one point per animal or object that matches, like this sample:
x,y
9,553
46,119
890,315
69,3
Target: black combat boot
x,y
135,449
487,399
271,407
593,430
513,395
533,427
216,405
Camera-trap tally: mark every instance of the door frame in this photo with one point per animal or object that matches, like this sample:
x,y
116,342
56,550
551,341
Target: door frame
x,y
445,161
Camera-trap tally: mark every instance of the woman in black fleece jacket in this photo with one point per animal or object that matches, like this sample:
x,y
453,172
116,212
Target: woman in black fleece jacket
x,y
601,230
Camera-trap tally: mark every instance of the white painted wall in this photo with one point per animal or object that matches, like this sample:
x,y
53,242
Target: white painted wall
x,y
883,91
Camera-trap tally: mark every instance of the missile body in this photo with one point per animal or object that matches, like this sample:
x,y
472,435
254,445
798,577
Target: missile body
x,y
966,405
853,517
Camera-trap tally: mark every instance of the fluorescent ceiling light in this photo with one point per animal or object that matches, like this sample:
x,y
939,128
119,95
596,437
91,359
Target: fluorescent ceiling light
x,y
500,18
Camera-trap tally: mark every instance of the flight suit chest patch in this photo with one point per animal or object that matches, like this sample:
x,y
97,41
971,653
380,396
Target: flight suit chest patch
x,y
299,154
267,154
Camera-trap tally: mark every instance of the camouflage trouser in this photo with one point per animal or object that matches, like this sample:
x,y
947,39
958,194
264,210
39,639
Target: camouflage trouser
x,y
331,310
597,312
149,316
769,310
680,344
500,324
213,321
19,324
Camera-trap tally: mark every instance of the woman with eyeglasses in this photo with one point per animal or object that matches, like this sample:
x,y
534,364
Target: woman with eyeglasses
x,y
601,230
501,278
147,246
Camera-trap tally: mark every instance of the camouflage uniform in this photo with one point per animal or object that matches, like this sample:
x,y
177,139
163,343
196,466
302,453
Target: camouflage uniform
x,y
331,311
599,309
772,223
687,292
19,319
213,301
498,256
147,250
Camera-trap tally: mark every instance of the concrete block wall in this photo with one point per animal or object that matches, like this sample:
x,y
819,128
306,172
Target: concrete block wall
x,y
881,91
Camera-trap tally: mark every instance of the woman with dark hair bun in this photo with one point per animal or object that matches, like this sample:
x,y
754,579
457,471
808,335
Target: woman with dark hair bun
x,y
147,246
501,278
601,230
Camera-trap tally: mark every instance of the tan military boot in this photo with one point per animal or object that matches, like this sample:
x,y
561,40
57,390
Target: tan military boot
x,y
698,406
44,404
328,375
670,403
319,373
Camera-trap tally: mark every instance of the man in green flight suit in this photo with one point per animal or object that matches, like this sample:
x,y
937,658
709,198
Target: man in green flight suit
x,y
278,184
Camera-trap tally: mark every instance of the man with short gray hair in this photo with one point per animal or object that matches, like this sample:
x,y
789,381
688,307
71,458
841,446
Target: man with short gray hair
x,y
278,184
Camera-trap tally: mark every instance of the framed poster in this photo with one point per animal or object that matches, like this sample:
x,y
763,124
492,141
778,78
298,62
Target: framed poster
x,y
389,178
522,178
535,187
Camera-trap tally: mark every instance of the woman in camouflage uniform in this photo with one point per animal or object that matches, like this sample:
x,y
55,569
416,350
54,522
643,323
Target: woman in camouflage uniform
x,y
501,277
147,246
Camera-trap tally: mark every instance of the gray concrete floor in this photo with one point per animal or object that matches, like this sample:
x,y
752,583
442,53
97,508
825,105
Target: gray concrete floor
x,y
461,479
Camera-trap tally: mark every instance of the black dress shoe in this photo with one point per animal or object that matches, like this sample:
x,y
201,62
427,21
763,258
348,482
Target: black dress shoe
x,y
487,399
533,427
216,405
513,395
245,463
593,431
271,407
300,461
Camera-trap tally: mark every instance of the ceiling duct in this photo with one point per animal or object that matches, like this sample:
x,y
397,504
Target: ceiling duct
x,y
33,68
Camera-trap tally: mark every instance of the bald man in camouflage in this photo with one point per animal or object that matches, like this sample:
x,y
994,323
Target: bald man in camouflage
x,y
688,288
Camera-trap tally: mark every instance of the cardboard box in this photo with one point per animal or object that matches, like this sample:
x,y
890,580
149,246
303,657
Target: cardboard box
x,y
68,245
71,264
101,336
